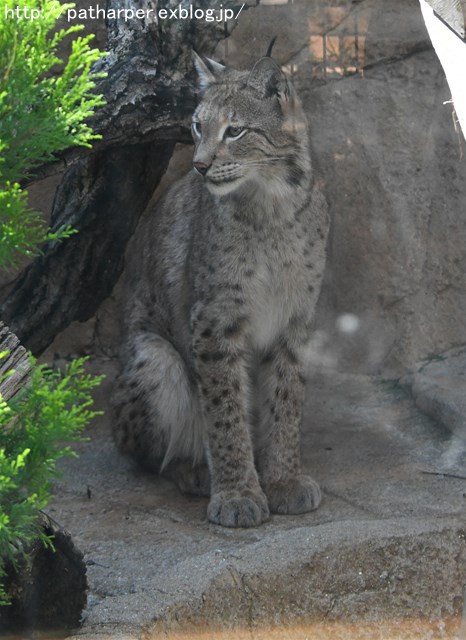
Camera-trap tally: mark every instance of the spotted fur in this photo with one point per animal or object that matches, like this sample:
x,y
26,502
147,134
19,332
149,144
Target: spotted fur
x,y
221,292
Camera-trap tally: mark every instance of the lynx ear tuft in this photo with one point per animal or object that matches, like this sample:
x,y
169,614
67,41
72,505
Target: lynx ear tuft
x,y
268,53
208,70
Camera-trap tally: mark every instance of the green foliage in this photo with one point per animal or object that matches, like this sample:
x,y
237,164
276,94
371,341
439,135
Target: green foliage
x,y
21,228
44,103
36,428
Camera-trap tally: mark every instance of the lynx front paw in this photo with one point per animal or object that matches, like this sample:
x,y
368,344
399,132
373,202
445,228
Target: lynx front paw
x,y
238,508
299,495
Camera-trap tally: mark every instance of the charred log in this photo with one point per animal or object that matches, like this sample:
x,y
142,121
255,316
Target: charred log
x,y
48,592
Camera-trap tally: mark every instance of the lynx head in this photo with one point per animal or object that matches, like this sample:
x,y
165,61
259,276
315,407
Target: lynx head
x,y
249,129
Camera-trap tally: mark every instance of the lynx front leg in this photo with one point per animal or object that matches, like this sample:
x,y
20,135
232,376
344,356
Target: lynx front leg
x,y
288,490
237,499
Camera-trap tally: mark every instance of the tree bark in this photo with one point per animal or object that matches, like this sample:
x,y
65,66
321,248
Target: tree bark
x,y
150,96
15,360
102,196
48,593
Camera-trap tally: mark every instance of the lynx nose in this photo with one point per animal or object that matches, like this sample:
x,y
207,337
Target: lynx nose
x,y
201,167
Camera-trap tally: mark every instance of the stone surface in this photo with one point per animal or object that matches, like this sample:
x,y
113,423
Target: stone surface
x,y
393,168
439,389
387,547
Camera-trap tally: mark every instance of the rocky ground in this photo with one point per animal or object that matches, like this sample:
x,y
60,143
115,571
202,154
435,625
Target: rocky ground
x,y
383,557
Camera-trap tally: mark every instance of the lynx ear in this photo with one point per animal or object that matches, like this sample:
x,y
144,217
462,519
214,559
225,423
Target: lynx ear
x,y
267,78
208,70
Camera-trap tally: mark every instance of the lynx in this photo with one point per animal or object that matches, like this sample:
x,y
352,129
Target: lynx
x,y
221,291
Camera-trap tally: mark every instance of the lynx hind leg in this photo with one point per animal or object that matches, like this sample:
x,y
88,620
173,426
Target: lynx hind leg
x,y
158,418
134,434
193,479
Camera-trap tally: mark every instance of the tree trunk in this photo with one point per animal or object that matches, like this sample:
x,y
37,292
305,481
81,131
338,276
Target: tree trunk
x,y
150,96
102,196
48,593
15,360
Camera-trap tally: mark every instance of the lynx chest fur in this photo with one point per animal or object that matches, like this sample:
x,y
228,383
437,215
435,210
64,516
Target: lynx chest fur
x,y
221,295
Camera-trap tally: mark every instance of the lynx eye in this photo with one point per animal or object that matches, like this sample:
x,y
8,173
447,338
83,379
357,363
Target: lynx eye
x,y
234,132
196,129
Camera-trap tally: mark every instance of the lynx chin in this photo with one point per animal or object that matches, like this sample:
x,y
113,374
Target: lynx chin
x,y
220,296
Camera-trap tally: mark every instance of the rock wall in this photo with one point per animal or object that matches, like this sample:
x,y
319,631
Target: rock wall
x,y
393,170
394,173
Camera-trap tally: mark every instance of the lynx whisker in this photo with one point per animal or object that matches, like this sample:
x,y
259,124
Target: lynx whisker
x,y
263,161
